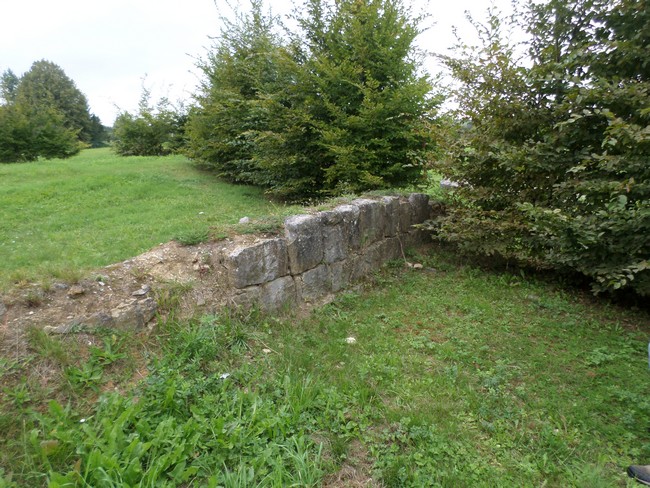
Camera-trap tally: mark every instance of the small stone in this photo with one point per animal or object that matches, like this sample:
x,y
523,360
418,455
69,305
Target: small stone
x,y
446,183
244,220
101,283
142,291
60,286
59,329
75,291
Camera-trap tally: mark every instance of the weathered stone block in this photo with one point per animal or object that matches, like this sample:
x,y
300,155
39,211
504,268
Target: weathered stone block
x,y
340,275
379,253
360,267
371,224
405,216
390,207
314,284
389,250
258,263
331,217
420,205
416,237
335,243
278,293
335,236
128,315
304,237
247,298
350,226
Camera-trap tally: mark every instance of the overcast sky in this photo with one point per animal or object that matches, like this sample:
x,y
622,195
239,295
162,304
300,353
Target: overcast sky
x,y
108,47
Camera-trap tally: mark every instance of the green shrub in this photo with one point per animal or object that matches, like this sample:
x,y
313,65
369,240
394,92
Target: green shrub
x,y
44,115
27,134
153,131
339,107
553,158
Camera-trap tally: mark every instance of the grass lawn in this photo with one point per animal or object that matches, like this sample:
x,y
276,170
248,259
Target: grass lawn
x,y
60,217
456,377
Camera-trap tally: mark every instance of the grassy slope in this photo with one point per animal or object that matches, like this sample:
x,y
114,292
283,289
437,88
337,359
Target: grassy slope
x,y
60,216
458,377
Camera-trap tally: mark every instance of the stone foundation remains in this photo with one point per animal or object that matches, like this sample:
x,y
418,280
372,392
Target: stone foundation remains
x,y
313,257
320,254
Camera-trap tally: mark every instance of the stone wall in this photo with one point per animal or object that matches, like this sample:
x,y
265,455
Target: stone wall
x,y
320,254
313,257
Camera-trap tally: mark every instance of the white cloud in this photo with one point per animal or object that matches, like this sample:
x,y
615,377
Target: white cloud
x,y
108,47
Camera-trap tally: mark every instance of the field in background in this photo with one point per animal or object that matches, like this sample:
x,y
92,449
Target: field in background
x,y
60,217
448,376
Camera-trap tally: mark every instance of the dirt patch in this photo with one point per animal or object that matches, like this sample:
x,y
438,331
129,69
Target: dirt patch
x,y
130,294
356,472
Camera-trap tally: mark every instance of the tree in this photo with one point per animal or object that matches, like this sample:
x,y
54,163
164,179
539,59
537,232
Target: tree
x,y
29,133
153,131
246,72
98,133
44,115
554,171
46,84
8,84
363,99
339,107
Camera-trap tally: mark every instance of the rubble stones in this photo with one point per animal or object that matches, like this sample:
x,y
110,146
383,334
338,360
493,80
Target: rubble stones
x,y
75,291
138,293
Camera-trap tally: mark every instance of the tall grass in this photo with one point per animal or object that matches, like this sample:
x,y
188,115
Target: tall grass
x,y
60,216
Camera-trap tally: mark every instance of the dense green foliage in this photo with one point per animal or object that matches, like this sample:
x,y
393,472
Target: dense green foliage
x,y
245,73
153,131
553,157
457,378
27,133
337,106
44,115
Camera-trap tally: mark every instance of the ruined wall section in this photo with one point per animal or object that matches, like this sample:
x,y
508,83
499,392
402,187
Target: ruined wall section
x,y
323,253
313,257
